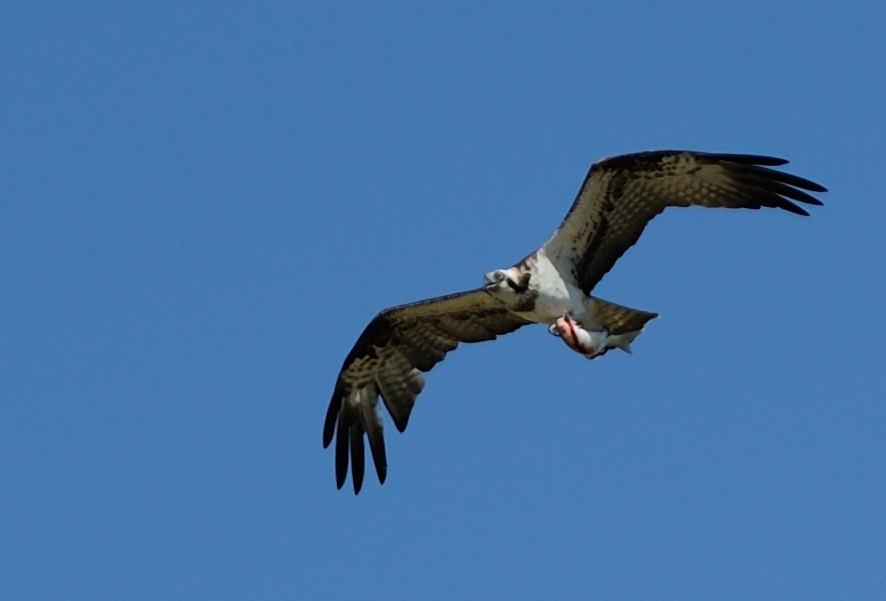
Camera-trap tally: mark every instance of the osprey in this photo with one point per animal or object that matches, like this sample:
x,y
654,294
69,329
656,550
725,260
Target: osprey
x,y
551,286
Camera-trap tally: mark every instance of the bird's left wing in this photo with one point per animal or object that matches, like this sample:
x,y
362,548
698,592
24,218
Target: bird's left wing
x,y
622,194
387,360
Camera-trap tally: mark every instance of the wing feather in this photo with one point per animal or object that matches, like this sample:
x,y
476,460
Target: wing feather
x,y
375,433
358,461
399,383
620,195
387,360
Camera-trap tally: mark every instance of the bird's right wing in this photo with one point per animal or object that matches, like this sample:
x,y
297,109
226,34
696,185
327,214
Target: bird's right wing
x,y
387,360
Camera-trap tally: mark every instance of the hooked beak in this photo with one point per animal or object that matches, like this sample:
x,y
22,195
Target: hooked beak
x,y
493,279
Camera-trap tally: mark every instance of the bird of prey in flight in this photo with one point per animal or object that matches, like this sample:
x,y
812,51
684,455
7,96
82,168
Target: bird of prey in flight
x,y
551,286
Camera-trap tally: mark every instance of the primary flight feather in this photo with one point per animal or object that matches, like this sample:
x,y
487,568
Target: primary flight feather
x,y
551,286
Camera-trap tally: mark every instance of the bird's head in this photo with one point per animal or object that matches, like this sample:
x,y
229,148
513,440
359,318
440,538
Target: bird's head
x,y
506,281
495,279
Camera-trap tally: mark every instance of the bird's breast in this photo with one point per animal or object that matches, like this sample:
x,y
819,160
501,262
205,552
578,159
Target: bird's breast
x,y
555,295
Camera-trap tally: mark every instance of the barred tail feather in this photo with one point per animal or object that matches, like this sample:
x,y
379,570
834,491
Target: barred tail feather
x,y
620,320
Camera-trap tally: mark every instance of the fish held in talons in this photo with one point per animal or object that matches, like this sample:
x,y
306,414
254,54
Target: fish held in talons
x,y
590,343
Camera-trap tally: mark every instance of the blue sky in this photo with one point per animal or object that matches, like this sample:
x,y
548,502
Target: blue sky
x,y
203,204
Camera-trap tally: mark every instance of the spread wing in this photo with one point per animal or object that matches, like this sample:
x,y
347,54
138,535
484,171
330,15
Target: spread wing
x,y
620,195
387,360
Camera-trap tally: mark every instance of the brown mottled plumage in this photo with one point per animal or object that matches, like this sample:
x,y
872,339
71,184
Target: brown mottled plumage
x,y
386,360
620,195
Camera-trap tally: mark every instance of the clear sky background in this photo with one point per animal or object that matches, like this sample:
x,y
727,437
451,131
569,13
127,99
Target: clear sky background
x,y
203,203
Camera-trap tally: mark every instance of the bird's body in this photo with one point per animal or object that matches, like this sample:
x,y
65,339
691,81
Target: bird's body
x,y
551,286
550,292
553,298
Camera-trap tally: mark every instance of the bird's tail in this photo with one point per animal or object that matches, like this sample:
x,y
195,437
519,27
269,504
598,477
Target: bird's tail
x,y
622,322
623,341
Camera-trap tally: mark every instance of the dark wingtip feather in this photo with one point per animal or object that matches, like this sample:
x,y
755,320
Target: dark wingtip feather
x,y
752,159
786,178
372,423
799,182
331,417
358,461
379,458
789,206
341,453
790,192
811,186
775,188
